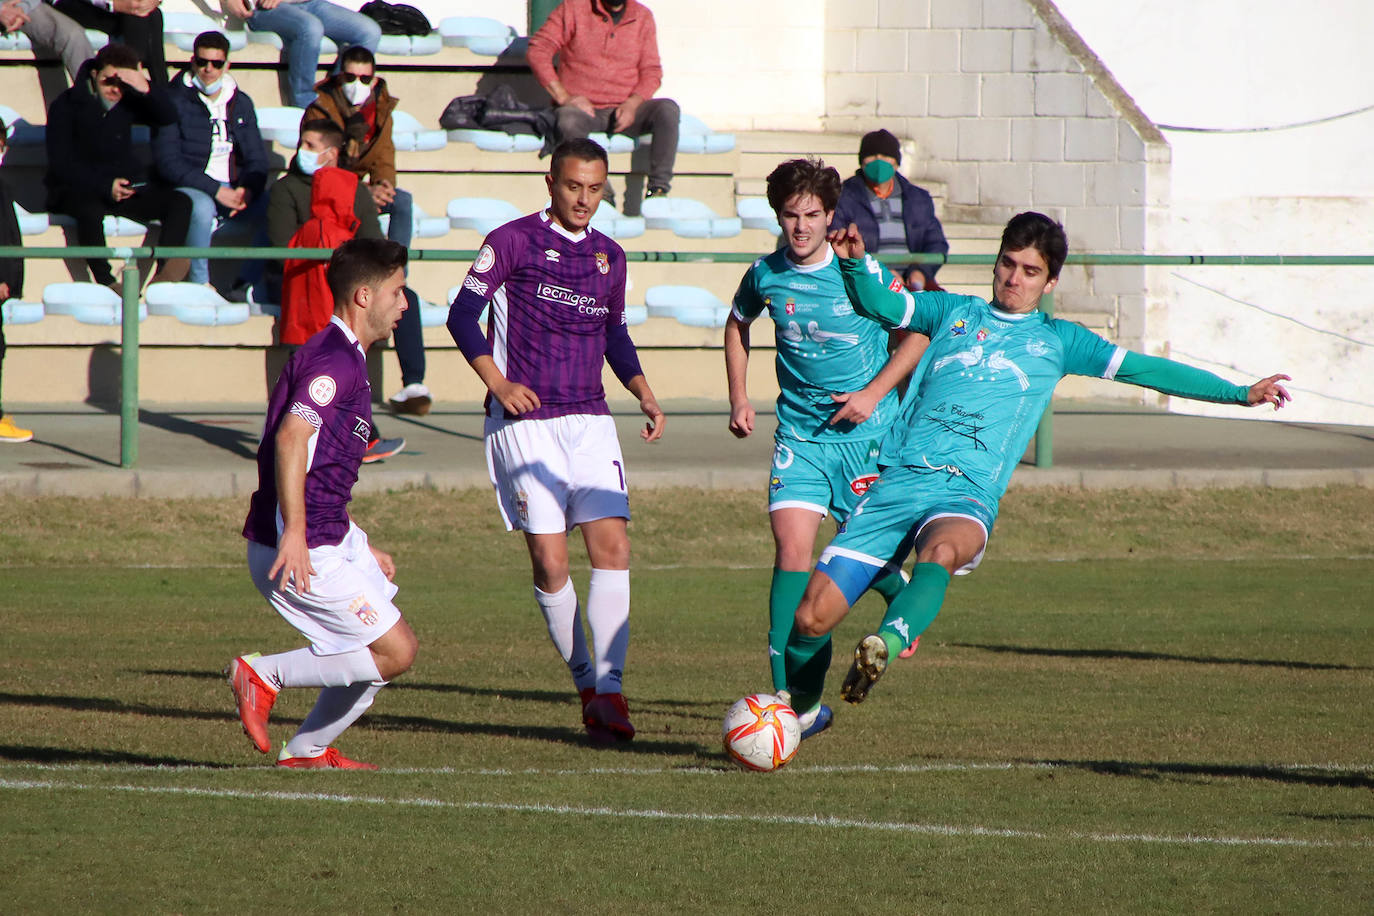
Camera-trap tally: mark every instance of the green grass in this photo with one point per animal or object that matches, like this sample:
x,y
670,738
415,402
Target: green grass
x,y
1142,702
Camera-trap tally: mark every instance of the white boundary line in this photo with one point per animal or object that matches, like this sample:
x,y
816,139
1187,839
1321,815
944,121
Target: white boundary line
x,y
944,830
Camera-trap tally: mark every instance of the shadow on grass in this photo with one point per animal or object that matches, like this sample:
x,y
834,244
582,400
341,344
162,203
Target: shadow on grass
x,y
1162,657
553,733
105,704
1139,769
58,755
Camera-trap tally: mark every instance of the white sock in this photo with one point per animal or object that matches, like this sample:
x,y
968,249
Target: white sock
x,y
335,710
303,668
608,613
563,616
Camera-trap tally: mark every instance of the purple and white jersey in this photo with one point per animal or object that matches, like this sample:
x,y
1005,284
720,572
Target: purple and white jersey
x,y
557,312
324,383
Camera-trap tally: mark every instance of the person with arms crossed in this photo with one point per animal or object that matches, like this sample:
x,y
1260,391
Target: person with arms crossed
x,y
992,368
836,397
557,292
311,562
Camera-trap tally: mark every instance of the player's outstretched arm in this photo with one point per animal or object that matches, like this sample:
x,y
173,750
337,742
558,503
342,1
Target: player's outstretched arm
x,y
648,405
1186,381
736,374
293,553
1269,391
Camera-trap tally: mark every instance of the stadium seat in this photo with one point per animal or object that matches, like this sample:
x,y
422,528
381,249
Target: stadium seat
x,y
116,227
16,312
192,303
480,35
497,141
690,305
695,137
18,131
281,125
431,315
15,41
272,39
409,134
453,294
425,226
613,143
411,45
182,28
611,221
31,223
636,314
756,213
97,39
690,219
481,214
89,303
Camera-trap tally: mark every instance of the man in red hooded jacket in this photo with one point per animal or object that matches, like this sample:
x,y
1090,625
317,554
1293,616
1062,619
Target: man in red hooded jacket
x,y
306,300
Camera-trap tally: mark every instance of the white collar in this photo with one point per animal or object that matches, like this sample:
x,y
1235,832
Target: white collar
x,y
553,224
809,268
348,332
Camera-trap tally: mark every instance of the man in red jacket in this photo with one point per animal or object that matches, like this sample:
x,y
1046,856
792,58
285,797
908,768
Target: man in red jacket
x,y
306,300
608,71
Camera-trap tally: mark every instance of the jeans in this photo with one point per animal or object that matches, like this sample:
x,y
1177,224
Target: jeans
x,y
205,213
402,210
302,26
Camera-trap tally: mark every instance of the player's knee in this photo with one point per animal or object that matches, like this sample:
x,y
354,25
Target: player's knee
x,y
808,621
941,553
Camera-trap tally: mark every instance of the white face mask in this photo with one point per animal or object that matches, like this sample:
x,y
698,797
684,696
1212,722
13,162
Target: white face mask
x,y
308,160
356,92
207,88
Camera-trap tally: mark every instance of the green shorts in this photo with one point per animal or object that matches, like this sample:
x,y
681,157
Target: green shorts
x,y
823,477
885,524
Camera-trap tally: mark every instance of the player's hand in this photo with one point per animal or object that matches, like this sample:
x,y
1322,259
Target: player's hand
x,y
855,407
384,560
847,242
654,428
582,104
1269,391
515,397
742,420
625,114
121,189
383,193
293,563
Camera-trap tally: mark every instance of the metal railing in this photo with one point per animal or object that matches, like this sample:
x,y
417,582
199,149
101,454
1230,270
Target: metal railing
x,y
131,285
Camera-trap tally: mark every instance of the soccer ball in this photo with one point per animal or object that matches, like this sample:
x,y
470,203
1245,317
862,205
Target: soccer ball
x,y
761,732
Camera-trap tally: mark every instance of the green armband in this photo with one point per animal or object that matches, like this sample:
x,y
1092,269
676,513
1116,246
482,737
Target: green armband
x,y
1173,378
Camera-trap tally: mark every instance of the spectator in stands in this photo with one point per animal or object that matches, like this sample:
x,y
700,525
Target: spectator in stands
x,y
893,215
136,23
290,206
608,71
93,166
302,25
48,31
213,153
11,287
357,100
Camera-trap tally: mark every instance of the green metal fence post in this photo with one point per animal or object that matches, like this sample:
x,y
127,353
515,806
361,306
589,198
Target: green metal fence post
x,y
128,368
1044,433
539,11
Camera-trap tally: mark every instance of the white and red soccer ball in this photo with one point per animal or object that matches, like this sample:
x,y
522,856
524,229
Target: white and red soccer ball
x,y
761,732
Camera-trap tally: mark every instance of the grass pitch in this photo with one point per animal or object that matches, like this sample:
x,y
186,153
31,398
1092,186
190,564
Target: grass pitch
x,y
1141,702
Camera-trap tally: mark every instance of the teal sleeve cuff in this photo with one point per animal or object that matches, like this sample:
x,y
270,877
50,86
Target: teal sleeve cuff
x,y
1173,378
871,297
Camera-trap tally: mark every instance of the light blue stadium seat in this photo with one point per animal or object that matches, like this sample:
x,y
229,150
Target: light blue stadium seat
x,y
17,312
116,227
31,223
192,303
272,39
18,130
15,41
613,143
480,35
689,305
636,314
432,315
611,221
690,219
97,39
756,213
453,294
425,226
182,28
281,124
411,45
409,134
497,141
89,303
695,137
481,214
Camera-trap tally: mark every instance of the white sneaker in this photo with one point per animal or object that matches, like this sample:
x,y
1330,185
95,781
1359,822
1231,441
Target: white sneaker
x,y
413,398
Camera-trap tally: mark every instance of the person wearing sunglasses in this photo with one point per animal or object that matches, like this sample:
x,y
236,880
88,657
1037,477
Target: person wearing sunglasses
x,y
356,99
213,153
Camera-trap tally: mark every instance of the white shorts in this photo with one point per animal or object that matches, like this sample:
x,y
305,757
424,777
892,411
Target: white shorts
x,y
349,604
553,474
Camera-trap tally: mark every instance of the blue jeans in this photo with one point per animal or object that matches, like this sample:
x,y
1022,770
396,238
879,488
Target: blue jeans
x,y
204,211
301,27
402,210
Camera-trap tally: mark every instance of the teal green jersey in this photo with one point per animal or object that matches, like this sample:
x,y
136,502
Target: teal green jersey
x,y
824,348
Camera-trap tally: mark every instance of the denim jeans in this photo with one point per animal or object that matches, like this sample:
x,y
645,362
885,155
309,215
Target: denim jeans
x,y
301,27
205,213
402,210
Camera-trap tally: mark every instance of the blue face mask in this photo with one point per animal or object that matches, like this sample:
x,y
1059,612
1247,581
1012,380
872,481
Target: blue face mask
x,y
308,161
879,171
207,88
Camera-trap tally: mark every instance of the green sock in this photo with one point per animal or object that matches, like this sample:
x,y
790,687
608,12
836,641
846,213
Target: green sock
x,y
889,585
808,659
783,598
915,608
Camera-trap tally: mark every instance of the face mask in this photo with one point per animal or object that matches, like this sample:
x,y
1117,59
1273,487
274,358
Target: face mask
x,y
307,160
356,92
207,88
879,172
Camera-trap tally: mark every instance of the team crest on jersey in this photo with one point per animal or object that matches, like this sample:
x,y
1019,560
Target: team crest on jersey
x,y
790,306
896,285
522,505
603,263
861,483
775,484
322,389
959,328
982,334
485,259
364,611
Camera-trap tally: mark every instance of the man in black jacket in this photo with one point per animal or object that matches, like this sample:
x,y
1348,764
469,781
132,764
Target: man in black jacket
x,y
213,153
93,168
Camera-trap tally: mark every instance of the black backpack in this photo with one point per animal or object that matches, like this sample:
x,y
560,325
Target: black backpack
x,y
397,18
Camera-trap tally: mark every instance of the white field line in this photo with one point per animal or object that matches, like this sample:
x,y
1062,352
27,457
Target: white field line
x,y
651,814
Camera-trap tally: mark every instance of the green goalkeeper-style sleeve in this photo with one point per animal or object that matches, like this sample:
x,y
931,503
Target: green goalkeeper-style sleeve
x,y
1175,378
872,298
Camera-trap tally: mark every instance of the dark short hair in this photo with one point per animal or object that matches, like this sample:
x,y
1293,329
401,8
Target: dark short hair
x,y
357,54
118,55
212,40
1038,231
363,262
803,176
580,148
332,133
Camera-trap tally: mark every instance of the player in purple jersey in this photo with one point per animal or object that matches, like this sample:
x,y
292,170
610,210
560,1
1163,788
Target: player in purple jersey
x,y
556,288
307,557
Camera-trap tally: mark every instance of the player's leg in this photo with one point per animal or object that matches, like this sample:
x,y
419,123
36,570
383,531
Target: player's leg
x,y
808,651
794,539
557,600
